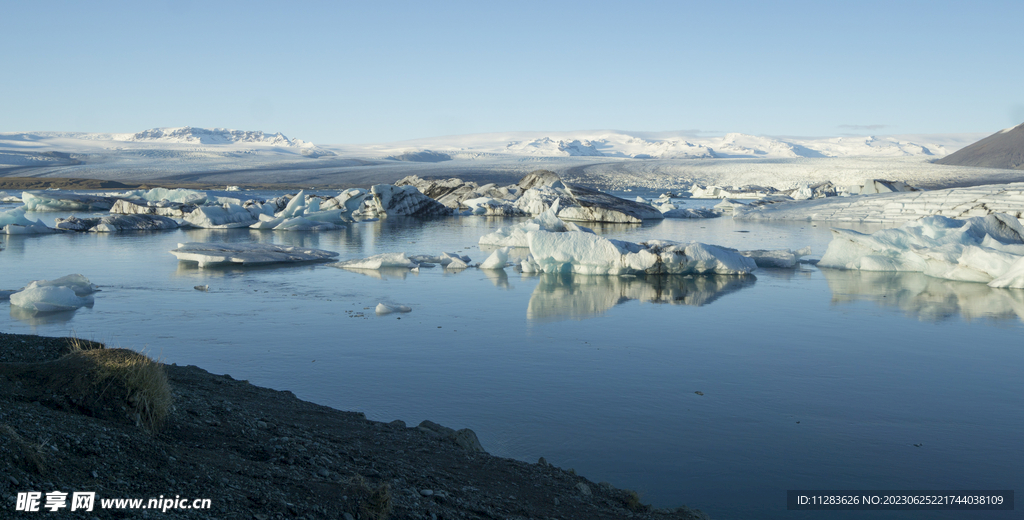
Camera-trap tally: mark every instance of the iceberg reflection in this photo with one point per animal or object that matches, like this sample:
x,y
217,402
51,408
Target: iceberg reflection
x,y
562,296
925,297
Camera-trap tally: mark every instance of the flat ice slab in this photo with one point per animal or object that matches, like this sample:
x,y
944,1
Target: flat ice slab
x,y
207,254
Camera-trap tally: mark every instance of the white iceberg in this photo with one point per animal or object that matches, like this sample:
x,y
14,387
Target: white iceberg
x,y
224,216
378,262
63,294
584,253
403,260
978,249
784,258
497,260
62,201
207,254
14,222
515,235
179,195
388,309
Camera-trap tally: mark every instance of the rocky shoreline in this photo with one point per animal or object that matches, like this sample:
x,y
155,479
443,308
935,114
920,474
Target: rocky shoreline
x,y
258,453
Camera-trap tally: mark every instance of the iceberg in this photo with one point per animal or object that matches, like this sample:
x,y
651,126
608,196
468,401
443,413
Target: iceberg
x,y
63,294
497,260
163,208
784,258
225,216
515,235
14,222
382,309
584,253
179,195
404,260
207,254
115,223
400,201
986,249
378,261
56,200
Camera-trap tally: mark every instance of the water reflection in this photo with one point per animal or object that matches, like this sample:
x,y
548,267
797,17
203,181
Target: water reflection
x,y
562,296
36,318
924,297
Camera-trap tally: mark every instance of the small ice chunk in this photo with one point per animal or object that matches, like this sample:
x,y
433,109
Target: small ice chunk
x,y
388,309
456,263
497,260
377,262
49,299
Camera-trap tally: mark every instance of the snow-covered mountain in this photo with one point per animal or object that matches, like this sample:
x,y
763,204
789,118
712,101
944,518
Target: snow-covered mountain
x,y
666,145
608,159
1003,149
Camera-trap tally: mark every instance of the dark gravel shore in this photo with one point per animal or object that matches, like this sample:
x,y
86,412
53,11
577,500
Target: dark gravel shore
x,y
257,453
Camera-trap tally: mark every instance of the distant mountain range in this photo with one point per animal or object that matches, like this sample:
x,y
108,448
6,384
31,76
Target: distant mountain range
x,y
1003,149
605,143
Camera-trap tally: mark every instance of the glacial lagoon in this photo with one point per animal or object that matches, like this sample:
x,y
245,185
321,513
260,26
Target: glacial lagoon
x,y
716,392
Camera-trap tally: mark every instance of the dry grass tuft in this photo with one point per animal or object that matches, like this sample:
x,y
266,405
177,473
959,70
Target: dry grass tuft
x,y
376,503
108,383
30,456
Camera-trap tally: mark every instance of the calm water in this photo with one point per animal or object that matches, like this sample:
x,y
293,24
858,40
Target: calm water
x,y
811,379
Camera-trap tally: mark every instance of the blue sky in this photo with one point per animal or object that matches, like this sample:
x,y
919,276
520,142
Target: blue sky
x,y
356,72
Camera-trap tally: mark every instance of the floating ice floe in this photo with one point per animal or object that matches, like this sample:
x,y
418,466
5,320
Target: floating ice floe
x,y
115,223
405,260
585,253
207,254
63,294
515,235
979,249
14,222
7,197
388,309
63,201
784,258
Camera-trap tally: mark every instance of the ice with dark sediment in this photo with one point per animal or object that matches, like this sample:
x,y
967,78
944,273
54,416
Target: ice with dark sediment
x,y
162,208
115,223
212,254
533,195
986,249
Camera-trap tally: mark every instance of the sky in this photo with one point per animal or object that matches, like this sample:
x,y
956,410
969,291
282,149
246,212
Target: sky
x,y
347,72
